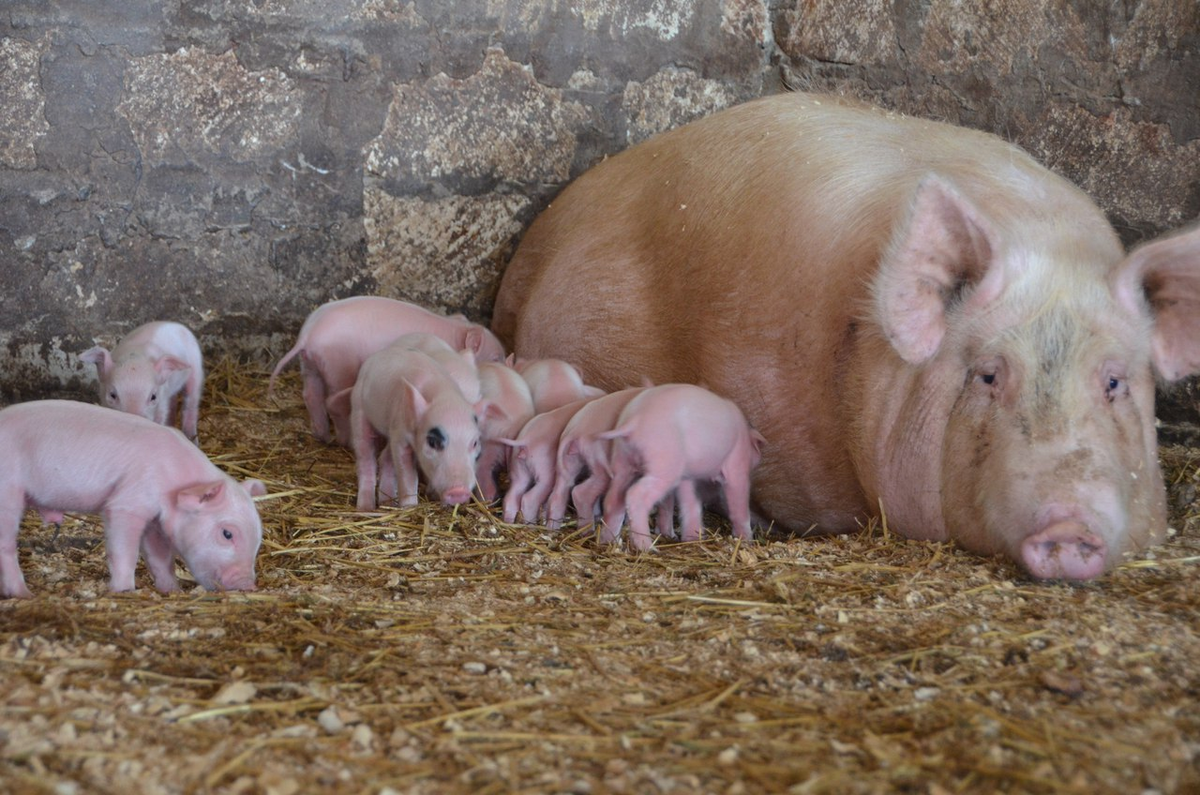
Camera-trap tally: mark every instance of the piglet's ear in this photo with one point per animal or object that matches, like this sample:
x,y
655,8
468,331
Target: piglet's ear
x,y
474,341
943,246
199,496
254,487
167,366
415,402
1165,273
339,402
100,357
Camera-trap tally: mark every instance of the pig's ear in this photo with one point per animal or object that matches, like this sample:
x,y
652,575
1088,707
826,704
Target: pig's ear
x,y
474,340
486,409
100,357
199,496
511,360
1166,274
168,366
942,247
254,487
413,399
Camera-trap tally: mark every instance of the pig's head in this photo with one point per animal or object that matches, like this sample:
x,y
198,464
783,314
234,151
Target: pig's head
x,y
138,385
1036,366
216,529
446,443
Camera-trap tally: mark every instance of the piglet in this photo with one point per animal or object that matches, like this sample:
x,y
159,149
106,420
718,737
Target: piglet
x,y
338,337
582,452
531,464
148,369
405,402
507,391
553,383
154,491
672,438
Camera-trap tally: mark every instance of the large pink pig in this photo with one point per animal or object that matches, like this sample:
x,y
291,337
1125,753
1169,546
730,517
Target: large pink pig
x,y
155,491
580,452
148,369
922,320
505,390
673,439
339,336
553,383
405,400
531,462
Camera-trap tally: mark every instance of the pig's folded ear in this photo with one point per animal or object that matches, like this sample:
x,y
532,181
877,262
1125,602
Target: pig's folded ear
x,y
199,496
486,409
474,341
254,487
1165,273
98,356
943,246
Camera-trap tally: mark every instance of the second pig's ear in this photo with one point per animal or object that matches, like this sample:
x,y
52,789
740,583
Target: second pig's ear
x,y
199,496
100,357
339,402
1164,275
943,246
168,366
414,401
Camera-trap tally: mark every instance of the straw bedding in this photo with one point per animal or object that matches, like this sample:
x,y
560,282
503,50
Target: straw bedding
x,y
436,650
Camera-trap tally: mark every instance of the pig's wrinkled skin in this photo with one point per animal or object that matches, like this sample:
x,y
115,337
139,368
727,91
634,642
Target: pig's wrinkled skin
x,y
504,389
531,462
405,400
147,369
671,439
580,451
919,317
339,336
154,490
553,383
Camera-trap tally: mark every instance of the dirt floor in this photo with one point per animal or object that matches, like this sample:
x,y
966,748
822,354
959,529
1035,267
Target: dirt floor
x,y
432,650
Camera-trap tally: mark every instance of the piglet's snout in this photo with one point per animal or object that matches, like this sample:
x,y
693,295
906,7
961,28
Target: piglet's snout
x,y
456,495
1064,550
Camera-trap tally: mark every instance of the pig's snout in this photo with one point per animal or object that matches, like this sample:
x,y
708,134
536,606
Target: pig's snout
x,y
1065,550
456,495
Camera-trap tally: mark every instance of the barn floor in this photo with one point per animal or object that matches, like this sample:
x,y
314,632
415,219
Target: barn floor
x,y
428,650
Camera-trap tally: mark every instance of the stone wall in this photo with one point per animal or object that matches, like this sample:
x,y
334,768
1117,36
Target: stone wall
x,y
232,164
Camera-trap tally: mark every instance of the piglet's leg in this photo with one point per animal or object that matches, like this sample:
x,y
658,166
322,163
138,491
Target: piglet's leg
x,y
556,510
12,581
388,488
535,498
664,523
640,499
123,531
737,502
160,558
691,512
364,444
614,500
485,470
586,496
519,482
314,401
406,474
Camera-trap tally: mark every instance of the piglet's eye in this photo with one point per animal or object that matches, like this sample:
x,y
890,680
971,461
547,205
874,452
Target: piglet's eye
x,y
153,397
436,439
227,533
988,378
112,395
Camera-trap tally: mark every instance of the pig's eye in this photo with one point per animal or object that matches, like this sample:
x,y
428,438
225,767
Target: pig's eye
x,y
153,396
1114,387
988,378
112,395
436,439
227,533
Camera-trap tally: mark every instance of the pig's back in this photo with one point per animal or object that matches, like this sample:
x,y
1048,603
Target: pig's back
x,y
737,252
76,456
